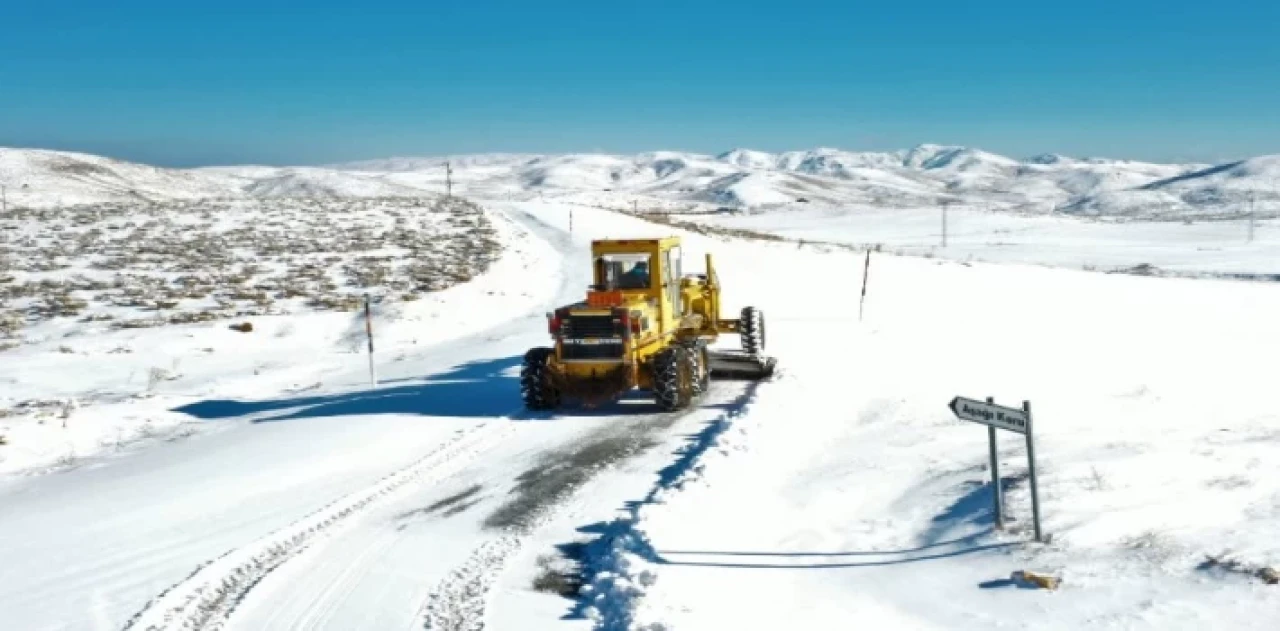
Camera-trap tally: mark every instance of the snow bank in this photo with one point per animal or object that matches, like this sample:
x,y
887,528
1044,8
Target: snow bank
x,y
622,563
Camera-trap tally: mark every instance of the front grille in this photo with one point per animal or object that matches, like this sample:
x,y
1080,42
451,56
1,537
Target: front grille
x,y
584,326
590,337
611,350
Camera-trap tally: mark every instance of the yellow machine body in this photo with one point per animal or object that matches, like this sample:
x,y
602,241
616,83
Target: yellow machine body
x,y
638,307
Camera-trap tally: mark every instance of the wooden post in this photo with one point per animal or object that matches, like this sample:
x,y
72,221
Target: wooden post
x,y
368,330
866,271
944,223
1253,201
997,490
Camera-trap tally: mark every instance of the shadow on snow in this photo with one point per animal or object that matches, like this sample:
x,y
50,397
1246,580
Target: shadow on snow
x,y
797,560
480,389
475,389
971,512
974,511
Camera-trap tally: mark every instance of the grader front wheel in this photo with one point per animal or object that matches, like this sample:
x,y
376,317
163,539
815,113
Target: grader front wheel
x,y
699,367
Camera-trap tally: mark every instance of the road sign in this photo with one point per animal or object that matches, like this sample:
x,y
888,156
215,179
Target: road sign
x,y
1012,419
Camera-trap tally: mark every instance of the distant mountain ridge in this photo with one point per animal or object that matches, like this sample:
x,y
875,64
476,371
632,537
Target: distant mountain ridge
x,y
742,178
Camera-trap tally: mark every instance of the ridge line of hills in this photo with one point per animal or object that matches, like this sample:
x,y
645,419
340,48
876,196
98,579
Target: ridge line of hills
x,y
742,179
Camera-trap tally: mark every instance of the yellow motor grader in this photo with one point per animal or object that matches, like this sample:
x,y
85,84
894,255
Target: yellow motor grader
x,y
642,325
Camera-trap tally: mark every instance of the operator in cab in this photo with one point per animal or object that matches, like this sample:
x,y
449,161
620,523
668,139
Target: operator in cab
x,y
637,277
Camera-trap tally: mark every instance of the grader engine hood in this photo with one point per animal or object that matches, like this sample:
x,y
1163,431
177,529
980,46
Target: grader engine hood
x,y
597,334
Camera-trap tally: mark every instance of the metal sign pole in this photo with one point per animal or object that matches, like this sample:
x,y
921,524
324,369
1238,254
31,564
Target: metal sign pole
x,y
1031,465
1009,419
996,488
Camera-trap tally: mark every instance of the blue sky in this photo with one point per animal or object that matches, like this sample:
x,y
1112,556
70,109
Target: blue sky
x,y
183,84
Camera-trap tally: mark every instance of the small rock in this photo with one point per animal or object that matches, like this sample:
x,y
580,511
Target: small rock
x,y
245,327
1039,580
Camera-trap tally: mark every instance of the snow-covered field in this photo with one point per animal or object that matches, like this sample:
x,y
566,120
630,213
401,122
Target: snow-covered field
x,y
846,493
209,479
144,313
1222,247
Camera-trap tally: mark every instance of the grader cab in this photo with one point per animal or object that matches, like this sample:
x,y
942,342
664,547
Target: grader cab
x,y
643,324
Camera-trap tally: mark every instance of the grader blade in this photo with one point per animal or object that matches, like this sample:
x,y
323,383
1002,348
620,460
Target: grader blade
x,y
740,366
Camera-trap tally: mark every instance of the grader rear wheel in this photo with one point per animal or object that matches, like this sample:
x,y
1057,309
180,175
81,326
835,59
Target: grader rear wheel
x,y
536,386
673,378
751,330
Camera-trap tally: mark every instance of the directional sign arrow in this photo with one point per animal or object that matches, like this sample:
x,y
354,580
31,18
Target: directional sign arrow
x,y
1012,419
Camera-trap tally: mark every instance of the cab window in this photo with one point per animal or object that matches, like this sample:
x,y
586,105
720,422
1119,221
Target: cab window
x,y
623,271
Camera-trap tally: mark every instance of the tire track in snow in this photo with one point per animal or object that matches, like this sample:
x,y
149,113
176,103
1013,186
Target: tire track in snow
x,y
459,602
206,599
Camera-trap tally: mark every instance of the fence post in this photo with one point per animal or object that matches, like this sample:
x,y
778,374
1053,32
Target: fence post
x,y
997,489
866,270
368,330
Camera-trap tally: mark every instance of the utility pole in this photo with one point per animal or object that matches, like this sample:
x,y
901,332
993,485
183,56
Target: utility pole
x,y
1253,200
945,203
448,180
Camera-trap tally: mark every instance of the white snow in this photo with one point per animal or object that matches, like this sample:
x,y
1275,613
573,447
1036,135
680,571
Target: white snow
x,y
75,389
847,493
921,176
1191,247
266,485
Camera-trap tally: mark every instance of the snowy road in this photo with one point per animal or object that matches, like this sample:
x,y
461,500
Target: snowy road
x,y
336,509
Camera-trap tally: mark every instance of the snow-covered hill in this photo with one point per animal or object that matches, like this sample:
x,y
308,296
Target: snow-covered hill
x,y
39,178
924,176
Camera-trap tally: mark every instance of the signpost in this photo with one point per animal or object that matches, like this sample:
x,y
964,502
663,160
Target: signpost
x,y
1016,420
